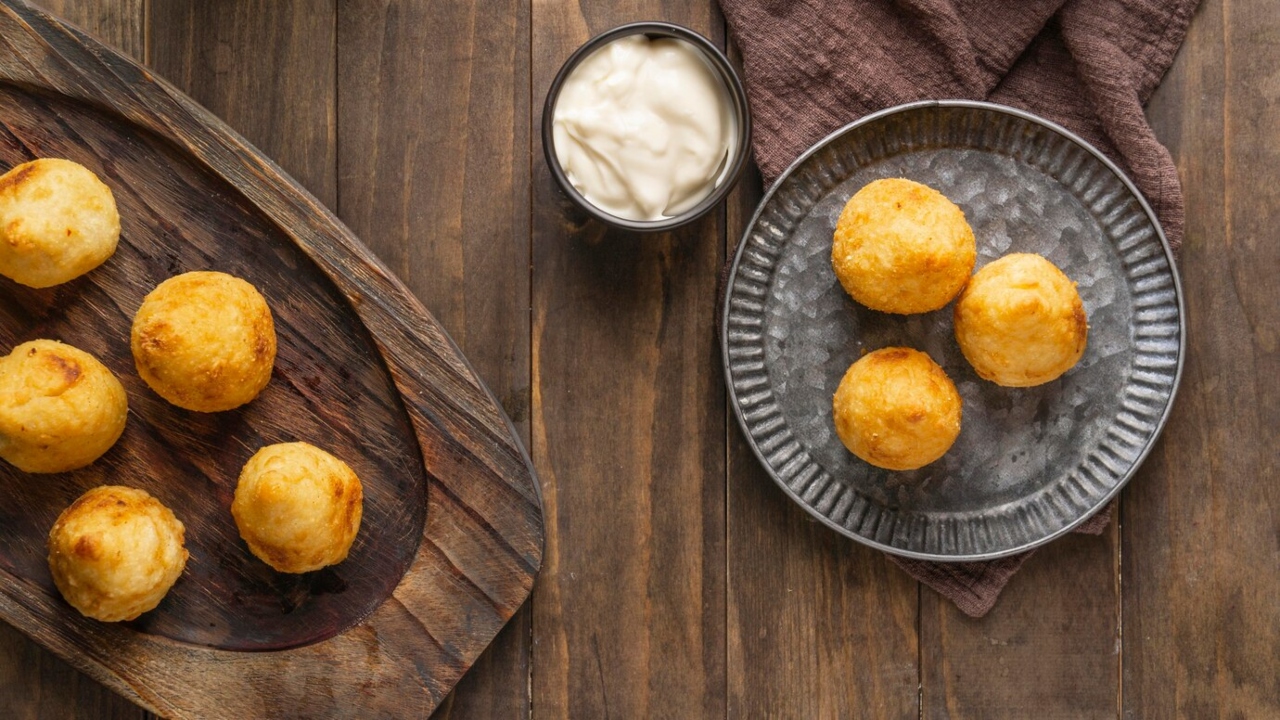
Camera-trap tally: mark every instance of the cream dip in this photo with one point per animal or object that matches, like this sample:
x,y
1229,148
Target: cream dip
x,y
643,128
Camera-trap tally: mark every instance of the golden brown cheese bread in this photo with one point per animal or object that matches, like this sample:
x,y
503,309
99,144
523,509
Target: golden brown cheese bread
x,y
902,247
205,341
60,409
115,552
897,409
298,507
57,222
1020,322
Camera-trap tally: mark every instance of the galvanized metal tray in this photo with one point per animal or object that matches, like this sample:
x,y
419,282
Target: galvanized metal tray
x,y
1030,463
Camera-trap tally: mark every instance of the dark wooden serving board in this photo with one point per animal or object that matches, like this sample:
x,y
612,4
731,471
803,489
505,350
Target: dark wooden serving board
x,y
452,535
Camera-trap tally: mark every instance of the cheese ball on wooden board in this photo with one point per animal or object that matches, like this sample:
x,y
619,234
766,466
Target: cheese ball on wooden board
x,y
896,409
57,221
205,341
1020,322
902,247
60,409
115,552
298,507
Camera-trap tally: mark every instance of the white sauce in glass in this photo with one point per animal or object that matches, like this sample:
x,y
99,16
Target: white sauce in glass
x,y
643,128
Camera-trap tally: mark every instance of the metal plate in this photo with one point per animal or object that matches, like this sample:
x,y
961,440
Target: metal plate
x,y
1030,463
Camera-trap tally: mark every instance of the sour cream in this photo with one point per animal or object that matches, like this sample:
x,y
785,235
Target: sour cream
x,y
643,128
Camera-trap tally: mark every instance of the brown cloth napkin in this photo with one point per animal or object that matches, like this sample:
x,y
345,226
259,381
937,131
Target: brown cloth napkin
x,y
813,66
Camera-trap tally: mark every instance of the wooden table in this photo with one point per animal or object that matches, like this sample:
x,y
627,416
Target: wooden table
x,y
679,581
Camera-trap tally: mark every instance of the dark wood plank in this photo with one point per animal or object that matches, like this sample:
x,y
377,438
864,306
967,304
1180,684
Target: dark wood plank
x,y
628,436
482,542
1048,649
34,683
121,24
818,625
1201,576
433,121
267,68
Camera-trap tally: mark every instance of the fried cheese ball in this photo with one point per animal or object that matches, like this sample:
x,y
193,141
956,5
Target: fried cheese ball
x,y
1020,322
298,507
60,409
896,409
115,552
205,341
58,221
902,247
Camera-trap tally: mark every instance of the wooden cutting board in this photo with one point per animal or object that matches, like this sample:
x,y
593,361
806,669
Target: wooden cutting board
x,y
452,536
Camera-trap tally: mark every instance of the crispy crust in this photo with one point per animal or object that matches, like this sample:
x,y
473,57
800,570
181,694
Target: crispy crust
x,y
1020,322
902,247
60,409
897,409
205,341
57,222
115,553
297,507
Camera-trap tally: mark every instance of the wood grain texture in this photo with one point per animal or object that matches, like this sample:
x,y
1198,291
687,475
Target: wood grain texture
x,y
482,541
628,428
1049,649
120,24
818,625
433,119
284,101
35,683
1201,535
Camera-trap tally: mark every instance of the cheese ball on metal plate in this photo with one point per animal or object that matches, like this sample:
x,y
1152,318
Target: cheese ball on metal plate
x,y
298,507
60,409
205,341
57,221
115,552
896,409
1020,322
902,247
